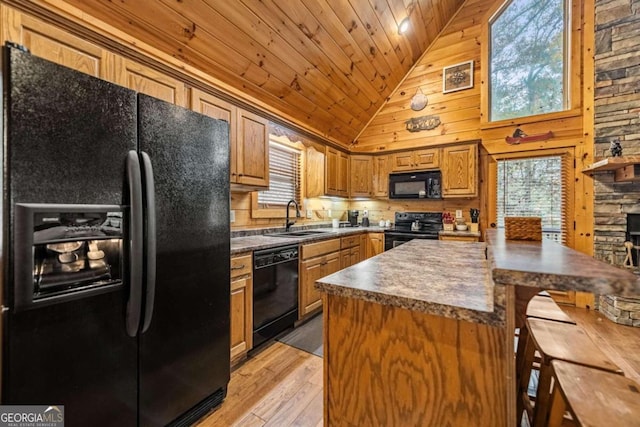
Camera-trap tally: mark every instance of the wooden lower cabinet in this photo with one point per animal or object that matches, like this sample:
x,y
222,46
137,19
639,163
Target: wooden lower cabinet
x,y
310,300
241,310
349,257
375,244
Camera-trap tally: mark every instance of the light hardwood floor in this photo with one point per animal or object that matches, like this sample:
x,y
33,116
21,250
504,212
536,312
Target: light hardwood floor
x,y
280,386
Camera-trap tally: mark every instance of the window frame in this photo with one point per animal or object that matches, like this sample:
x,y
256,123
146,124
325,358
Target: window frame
x,y
575,10
259,211
568,158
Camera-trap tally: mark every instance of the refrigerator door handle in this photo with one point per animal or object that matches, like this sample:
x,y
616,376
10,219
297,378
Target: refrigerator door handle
x,y
135,244
150,244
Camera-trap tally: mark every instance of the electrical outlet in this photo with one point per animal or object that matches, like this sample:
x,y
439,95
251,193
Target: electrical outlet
x,y
232,215
329,213
309,214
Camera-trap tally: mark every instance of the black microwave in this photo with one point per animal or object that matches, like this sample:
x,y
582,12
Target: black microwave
x,y
415,185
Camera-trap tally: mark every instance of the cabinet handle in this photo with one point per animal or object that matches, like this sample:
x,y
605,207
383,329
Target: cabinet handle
x,y
240,267
240,174
324,263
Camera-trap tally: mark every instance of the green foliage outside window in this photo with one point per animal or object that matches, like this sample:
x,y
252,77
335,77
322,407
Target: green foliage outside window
x,y
528,59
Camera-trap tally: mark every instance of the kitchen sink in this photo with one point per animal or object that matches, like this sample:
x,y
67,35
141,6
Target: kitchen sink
x,y
301,233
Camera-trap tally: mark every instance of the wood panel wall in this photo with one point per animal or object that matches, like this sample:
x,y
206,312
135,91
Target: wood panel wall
x,y
461,112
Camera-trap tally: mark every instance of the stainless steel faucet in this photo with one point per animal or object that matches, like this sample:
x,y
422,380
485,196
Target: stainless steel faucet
x,y
288,223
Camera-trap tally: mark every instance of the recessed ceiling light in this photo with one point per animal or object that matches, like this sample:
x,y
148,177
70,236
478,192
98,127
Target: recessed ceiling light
x,y
404,26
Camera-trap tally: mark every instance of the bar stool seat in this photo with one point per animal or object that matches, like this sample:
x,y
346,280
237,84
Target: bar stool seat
x,y
554,341
542,307
593,397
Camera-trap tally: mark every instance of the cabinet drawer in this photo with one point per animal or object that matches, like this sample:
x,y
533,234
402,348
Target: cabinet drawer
x,y
316,249
241,265
349,241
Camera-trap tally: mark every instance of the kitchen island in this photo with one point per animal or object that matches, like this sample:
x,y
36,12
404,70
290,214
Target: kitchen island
x,y
423,334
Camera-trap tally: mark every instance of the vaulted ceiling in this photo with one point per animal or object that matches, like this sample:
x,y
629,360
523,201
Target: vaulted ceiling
x,y
328,65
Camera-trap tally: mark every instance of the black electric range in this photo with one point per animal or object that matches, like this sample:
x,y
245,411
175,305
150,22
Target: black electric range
x,y
412,225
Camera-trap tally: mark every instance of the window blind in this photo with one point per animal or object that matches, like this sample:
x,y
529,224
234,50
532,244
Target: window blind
x,y
537,187
284,176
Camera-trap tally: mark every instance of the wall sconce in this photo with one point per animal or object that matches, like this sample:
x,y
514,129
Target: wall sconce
x,y
403,27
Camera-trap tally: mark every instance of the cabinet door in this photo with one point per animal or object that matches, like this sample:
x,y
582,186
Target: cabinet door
x,y
345,258
343,174
361,173
426,159
402,161
375,244
331,172
241,316
149,81
315,173
252,150
310,299
460,171
56,45
355,255
381,176
211,106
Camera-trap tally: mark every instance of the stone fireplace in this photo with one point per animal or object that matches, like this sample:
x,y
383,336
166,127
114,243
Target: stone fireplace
x,y
617,116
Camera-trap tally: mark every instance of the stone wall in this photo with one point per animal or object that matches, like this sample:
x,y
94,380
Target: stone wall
x,y
617,116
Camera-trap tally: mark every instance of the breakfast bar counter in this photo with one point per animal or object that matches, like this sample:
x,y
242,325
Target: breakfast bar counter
x,y
423,334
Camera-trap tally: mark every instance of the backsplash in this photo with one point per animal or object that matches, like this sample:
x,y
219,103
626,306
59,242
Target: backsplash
x,y
323,210
617,116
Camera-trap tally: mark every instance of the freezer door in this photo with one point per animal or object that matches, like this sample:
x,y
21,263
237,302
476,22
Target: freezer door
x,y
184,354
67,136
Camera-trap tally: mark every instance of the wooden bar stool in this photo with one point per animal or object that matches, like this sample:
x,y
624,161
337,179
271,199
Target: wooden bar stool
x,y
593,397
540,307
554,341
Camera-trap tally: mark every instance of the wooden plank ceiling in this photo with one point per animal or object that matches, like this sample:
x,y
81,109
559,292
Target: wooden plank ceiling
x,y
328,65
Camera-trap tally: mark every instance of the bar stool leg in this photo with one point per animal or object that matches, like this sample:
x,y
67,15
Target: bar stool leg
x,y
558,408
524,377
540,411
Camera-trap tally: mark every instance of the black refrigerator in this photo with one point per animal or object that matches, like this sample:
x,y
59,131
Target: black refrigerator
x,y
115,250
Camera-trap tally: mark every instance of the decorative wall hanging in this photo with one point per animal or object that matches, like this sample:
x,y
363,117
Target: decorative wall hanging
x,y
519,136
417,124
457,77
419,100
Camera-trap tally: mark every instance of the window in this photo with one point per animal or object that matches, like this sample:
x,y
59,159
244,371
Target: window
x,y
536,187
529,59
284,176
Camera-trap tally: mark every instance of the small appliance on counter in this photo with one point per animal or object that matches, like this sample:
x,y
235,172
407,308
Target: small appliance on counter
x,y
352,217
365,219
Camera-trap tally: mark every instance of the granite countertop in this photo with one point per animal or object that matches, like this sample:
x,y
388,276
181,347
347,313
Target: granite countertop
x,y
457,280
265,241
549,265
444,278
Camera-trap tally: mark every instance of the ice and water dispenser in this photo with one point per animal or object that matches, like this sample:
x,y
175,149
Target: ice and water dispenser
x,y
66,252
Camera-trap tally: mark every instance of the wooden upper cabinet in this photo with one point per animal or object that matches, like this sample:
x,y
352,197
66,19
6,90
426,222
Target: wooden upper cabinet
x,y
217,108
248,136
252,150
55,45
460,171
381,176
314,170
146,80
415,160
361,176
336,172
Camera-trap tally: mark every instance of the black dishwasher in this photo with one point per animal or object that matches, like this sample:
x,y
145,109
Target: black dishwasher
x,y
275,291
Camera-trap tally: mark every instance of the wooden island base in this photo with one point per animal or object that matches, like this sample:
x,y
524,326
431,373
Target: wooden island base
x,y
389,366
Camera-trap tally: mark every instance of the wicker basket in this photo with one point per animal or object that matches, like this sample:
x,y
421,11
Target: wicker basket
x,y
523,228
